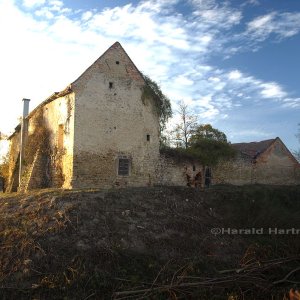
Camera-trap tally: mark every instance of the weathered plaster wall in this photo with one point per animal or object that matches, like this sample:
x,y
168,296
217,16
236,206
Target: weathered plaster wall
x,y
52,166
111,121
60,114
274,166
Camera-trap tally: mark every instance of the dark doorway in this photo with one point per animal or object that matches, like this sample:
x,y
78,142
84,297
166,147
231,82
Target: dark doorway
x,y
207,177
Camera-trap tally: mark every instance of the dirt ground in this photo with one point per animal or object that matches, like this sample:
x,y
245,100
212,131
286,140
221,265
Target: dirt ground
x,y
166,242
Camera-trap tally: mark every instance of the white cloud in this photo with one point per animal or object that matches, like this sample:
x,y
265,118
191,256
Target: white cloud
x,y
55,5
213,13
44,12
123,21
206,39
4,147
291,102
282,25
32,3
251,2
257,132
236,74
261,22
206,108
171,48
214,79
86,15
182,80
220,86
272,90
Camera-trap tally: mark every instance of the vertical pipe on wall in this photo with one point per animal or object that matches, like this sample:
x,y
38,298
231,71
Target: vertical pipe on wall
x,y
24,128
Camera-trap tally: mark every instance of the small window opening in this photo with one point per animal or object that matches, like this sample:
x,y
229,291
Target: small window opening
x,y
111,85
123,168
117,62
148,137
194,168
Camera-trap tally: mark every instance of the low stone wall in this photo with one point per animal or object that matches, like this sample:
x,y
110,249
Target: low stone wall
x,y
170,171
240,172
236,172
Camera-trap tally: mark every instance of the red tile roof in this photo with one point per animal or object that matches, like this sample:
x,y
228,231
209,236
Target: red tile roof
x,y
253,149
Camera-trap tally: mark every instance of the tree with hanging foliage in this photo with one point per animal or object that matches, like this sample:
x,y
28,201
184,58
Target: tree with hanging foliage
x,y
162,103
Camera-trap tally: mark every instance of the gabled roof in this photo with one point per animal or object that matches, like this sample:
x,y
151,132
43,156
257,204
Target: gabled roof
x,y
253,149
69,89
116,45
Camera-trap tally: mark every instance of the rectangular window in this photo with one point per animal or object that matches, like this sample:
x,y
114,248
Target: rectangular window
x,y
123,168
148,137
111,85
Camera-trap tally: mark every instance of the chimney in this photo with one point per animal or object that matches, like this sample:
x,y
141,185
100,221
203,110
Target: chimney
x,y
25,107
24,130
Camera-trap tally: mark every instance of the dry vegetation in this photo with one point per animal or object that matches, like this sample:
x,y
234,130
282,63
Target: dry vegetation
x,y
152,243
39,139
4,169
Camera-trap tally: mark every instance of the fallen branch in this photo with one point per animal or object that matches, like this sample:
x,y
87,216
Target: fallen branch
x,y
285,279
248,276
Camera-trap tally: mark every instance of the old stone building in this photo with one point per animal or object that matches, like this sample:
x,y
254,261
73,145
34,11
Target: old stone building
x,y
100,132
265,162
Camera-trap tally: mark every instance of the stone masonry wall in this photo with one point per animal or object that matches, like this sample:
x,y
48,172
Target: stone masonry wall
x,y
275,166
111,122
237,172
183,173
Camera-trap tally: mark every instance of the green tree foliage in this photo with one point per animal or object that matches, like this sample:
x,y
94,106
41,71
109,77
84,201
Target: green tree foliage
x,y
206,131
210,151
206,144
162,102
210,145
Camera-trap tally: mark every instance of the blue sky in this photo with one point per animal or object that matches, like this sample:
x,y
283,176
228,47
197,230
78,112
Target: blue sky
x,y
235,63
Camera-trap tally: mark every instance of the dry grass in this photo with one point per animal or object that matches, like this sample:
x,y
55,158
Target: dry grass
x,y
58,244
